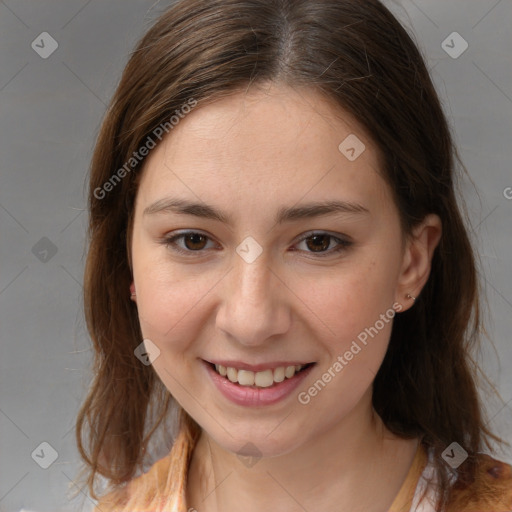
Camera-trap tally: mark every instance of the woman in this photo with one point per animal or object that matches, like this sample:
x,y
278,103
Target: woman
x,y
272,211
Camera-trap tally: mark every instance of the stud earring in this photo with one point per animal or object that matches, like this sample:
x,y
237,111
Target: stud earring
x,y
409,296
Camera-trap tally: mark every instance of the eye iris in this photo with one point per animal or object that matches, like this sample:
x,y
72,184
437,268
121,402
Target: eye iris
x,y
316,238
195,238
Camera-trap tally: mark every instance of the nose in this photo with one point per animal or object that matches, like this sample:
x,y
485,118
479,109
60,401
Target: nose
x,y
254,306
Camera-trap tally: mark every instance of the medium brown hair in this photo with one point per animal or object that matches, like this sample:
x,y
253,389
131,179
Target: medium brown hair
x,y
359,56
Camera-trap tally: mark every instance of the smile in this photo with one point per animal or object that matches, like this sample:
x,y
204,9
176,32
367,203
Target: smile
x,y
256,385
261,379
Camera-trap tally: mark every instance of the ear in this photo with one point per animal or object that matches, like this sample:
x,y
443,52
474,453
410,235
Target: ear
x,y
417,260
133,295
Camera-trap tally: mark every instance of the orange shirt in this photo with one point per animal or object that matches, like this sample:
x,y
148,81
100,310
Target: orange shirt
x,y
491,491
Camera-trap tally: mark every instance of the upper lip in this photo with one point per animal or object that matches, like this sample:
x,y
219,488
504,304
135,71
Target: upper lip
x,y
240,365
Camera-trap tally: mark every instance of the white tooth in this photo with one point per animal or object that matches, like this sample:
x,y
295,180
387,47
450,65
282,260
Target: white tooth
x,y
217,367
245,378
279,374
232,374
298,367
289,372
264,379
222,370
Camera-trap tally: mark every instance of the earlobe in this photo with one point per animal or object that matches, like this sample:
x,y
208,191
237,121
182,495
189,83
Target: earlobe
x,y
417,259
133,294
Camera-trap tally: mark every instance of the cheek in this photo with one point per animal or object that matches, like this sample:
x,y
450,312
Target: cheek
x,y
171,310
356,306
169,299
346,301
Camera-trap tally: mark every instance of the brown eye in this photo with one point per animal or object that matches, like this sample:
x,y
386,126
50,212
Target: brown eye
x,y
318,243
187,243
194,241
323,244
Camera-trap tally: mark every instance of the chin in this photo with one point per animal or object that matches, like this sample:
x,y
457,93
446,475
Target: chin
x,y
257,445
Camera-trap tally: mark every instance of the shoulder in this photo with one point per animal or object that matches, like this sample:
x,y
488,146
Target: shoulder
x,y
140,491
491,491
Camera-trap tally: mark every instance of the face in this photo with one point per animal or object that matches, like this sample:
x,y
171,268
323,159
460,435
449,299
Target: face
x,y
266,245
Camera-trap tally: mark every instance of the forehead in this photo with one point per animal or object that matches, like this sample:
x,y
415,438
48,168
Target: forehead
x,y
262,146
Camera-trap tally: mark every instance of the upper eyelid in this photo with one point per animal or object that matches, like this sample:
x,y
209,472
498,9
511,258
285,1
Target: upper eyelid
x,y
175,236
307,234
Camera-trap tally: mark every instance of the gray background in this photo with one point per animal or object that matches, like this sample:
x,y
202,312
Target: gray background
x,y
50,111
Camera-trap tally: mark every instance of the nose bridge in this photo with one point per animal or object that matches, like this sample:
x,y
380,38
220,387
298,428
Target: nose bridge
x,y
254,293
253,277
252,308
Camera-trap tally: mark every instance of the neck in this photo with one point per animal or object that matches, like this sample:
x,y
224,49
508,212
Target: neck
x,y
357,465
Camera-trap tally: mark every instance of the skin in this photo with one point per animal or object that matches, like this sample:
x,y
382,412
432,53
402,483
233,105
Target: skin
x,y
249,155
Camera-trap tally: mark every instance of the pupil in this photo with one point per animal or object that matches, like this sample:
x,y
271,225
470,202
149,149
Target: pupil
x,y
194,239
323,245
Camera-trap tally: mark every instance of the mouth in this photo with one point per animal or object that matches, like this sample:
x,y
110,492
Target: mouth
x,y
264,378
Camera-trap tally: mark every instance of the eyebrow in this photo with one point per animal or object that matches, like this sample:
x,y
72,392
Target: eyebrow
x,y
284,214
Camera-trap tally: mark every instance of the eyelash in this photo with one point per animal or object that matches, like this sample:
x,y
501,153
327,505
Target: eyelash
x,y
169,242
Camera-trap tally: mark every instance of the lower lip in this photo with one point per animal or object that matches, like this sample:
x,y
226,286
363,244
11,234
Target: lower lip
x,y
248,396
